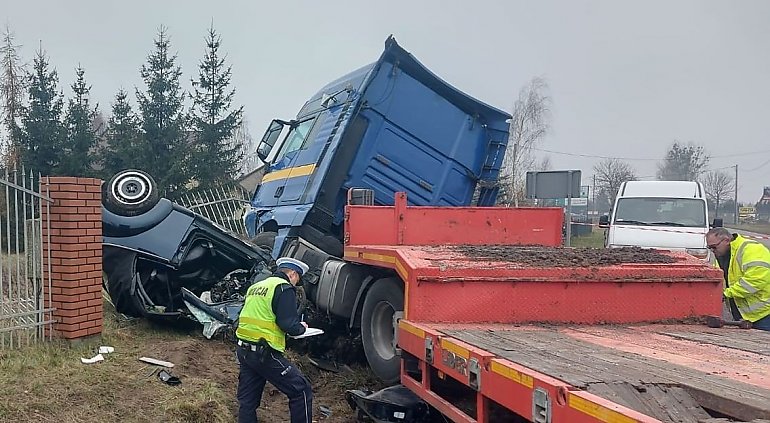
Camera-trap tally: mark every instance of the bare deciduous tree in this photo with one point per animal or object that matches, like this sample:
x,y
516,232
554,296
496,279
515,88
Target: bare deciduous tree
x,y
248,148
683,163
529,125
610,173
544,164
12,92
719,186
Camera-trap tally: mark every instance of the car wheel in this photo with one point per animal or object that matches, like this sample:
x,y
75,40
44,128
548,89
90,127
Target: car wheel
x,y
130,193
383,300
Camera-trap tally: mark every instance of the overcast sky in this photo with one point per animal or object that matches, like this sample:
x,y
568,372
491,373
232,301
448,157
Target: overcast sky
x,y
626,78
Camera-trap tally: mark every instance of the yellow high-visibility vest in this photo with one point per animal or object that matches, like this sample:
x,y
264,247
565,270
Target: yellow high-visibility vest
x,y
257,318
749,278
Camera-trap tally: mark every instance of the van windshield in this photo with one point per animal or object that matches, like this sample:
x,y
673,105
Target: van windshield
x,y
683,212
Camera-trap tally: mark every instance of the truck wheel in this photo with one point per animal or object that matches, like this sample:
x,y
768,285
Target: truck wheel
x,y
130,193
331,245
384,299
265,240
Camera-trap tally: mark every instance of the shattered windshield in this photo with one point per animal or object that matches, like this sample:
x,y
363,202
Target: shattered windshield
x,y
296,140
683,212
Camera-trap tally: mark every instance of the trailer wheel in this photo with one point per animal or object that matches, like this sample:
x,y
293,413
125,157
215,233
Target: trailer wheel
x,y
384,299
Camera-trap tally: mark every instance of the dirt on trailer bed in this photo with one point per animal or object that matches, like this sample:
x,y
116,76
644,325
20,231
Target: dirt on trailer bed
x,y
539,256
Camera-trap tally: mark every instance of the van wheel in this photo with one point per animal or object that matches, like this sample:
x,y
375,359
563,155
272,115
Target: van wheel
x,y
383,300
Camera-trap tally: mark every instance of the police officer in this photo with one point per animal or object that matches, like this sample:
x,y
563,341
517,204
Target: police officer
x,y
268,315
746,266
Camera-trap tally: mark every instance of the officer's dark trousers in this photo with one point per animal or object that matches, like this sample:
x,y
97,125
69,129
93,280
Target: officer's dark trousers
x,y
281,374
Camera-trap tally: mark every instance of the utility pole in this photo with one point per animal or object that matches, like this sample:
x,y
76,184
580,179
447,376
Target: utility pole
x,y
513,174
595,213
735,216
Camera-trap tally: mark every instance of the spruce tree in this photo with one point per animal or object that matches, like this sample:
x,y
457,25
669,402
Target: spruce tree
x,y
12,92
215,154
123,147
41,145
161,109
78,158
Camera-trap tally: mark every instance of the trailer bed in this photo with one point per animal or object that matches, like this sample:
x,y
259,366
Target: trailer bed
x,y
547,334
669,372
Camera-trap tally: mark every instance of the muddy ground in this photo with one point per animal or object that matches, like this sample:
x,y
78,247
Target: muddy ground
x,y
215,361
539,256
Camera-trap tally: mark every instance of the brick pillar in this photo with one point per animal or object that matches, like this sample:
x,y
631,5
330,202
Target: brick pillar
x,y
76,256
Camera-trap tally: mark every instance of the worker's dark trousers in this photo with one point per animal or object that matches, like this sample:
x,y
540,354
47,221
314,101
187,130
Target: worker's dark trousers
x,y
763,323
281,374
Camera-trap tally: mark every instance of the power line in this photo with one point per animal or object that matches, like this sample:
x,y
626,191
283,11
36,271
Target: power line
x,y
590,155
758,167
595,156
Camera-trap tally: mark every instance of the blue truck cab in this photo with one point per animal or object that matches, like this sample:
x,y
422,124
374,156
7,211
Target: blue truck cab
x,y
391,126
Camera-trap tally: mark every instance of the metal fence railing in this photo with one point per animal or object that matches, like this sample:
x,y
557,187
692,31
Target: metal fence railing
x,y
24,212
223,206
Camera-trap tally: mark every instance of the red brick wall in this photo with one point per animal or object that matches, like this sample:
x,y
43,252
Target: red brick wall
x,y
76,256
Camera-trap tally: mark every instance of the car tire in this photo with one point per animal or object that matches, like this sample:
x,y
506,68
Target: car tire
x,y
383,300
130,192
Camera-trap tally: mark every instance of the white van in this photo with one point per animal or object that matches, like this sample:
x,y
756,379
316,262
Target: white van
x,y
670,215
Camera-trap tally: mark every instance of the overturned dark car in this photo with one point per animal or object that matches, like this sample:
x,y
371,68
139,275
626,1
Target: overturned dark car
x,y
161,260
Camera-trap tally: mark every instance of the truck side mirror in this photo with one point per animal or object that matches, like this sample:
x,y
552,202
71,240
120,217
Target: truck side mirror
x,y
604,221
717,223
270,137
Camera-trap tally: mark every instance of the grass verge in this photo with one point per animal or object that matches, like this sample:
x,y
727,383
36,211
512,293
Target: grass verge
x,y
46,382
760,228
593,240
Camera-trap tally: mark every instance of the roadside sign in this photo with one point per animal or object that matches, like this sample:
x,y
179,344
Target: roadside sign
x,y
746,210
553,184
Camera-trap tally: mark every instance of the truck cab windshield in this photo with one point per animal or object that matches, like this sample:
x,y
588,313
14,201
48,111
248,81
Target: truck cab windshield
x,y
680,212
296,139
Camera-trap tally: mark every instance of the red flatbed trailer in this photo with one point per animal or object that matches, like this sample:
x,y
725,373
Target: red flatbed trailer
x,y
485,339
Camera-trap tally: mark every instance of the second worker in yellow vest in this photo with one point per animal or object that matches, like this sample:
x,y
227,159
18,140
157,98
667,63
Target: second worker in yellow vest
x,y
746,265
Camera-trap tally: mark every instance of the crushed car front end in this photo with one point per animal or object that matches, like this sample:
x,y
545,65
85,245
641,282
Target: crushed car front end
x,y
162,260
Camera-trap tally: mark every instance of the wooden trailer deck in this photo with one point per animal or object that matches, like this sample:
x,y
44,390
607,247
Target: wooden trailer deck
x,y
669,372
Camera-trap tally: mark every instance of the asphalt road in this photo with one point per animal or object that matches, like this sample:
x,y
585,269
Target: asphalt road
x,y
753,234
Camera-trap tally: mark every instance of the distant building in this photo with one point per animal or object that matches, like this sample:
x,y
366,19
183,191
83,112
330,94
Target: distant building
x,y
249,181
765,200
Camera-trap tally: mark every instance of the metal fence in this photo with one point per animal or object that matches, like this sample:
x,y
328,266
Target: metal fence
x,y
223,205
24,212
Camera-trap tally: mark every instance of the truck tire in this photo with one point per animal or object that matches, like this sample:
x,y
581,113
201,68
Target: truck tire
x,y
383,300
265,240
331,245
130,192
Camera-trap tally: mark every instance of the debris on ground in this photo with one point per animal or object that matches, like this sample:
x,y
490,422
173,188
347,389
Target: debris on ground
x,y
394,403
95,359
157,362
169,379
106,350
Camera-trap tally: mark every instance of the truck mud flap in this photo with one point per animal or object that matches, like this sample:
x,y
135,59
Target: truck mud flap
x,y
389,405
